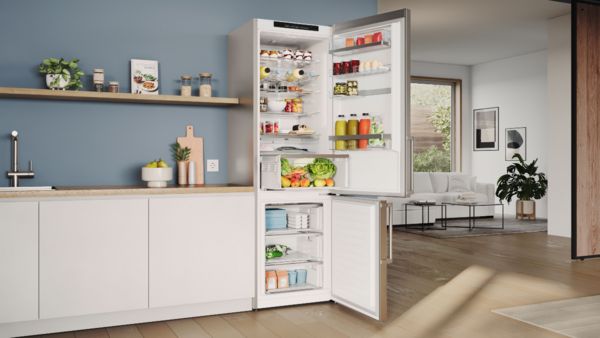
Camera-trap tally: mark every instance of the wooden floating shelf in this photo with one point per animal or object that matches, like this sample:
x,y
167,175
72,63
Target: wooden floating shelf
x,y
69,95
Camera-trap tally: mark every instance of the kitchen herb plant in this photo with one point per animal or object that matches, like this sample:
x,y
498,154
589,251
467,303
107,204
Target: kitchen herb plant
x,y
63,73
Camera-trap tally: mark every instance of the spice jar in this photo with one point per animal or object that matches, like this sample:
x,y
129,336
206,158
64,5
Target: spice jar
x,y
186,85
113,86
98,79
263,104
205,84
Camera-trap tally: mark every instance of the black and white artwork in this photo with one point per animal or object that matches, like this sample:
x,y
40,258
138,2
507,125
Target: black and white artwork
x,y
516,143
485,128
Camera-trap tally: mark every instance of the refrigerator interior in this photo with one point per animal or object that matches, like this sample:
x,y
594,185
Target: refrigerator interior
x,y
305,243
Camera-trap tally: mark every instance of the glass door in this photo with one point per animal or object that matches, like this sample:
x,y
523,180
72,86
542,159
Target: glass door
x,y
369,110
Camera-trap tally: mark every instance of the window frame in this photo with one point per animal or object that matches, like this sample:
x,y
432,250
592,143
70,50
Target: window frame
x,y
456,108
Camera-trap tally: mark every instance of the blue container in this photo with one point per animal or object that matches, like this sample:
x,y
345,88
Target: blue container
x,y
275,219
301,276
292,277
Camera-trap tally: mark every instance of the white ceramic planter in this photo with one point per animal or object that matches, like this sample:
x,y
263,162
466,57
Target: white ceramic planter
x,y
157,177
55,81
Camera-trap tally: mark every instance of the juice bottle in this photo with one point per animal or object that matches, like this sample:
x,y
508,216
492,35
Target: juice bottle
x,y
364,126
340,130
352,129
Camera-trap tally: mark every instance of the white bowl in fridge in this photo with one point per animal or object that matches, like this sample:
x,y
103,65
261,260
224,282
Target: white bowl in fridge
x,y
276,105
157,177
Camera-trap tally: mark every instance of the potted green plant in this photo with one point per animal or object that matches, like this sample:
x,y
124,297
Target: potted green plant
x,y
62,74
181,156
523,181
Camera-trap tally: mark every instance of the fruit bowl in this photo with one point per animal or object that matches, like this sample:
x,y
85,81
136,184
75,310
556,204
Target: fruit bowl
x,y
157,177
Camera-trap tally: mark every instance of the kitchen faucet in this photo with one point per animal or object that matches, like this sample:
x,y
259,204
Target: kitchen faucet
x,y
14,173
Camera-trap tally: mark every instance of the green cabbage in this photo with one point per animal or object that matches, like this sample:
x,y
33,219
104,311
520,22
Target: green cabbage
x,y
286,169
321,168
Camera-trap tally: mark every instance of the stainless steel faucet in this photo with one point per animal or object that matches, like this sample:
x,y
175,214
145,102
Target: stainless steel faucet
x,y
14,173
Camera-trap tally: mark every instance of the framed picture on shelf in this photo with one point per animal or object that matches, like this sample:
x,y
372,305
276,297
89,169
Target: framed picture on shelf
x,y
144,77
485,128
516,143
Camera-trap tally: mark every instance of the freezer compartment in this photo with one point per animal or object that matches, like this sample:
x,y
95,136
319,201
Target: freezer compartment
x,y
285,250
302,172
293,278
300,219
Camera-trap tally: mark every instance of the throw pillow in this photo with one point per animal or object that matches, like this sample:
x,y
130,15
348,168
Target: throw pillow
x,y
422,183
439,181
459,183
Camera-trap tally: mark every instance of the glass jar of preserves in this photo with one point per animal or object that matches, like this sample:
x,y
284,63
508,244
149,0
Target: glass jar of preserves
x,y
113,86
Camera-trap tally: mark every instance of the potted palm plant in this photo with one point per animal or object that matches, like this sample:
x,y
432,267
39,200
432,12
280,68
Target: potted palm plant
x,y
523,181
61,74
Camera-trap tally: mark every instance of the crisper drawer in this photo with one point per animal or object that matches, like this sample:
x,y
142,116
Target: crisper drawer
x,y
303,171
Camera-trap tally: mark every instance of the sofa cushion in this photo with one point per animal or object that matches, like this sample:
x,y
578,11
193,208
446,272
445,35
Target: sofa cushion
x,y
460,183
425,197
439,182
422,183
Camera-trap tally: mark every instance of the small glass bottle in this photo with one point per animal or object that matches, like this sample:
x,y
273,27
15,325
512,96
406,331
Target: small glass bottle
x,y
113,87
205,84
98,79
186,85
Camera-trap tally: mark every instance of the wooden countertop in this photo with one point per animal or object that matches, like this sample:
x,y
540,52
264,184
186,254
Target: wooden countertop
x,y
128,190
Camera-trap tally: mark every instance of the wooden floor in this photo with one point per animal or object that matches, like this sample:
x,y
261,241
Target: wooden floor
x,y
437,288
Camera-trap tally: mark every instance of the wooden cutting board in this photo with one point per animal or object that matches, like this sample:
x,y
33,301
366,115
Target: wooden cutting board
x,y
196,144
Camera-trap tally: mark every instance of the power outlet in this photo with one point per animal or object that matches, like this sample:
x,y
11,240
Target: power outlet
x,y
212,166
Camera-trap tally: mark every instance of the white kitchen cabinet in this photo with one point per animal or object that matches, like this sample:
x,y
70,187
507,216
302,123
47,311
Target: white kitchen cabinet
x,y
18,261
93,256
201,249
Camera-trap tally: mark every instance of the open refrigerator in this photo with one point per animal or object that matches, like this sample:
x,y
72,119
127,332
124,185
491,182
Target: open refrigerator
x,y
298,85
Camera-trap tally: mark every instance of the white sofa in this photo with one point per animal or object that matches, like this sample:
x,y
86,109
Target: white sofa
x,y
444,187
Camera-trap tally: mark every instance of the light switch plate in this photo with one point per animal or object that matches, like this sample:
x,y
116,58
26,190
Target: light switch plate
x,y
212,165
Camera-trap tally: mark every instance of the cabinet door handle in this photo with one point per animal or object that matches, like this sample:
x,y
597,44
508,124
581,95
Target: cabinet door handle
x,y
391,231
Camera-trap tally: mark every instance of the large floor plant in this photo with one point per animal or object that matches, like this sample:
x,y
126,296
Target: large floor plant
x,y
523,181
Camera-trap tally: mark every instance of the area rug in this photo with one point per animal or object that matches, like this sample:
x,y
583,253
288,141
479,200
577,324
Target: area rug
x,y
575,317
488,227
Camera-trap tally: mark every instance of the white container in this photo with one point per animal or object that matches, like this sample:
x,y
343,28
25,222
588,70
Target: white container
x,y
276,105
157,177
192,173
56,81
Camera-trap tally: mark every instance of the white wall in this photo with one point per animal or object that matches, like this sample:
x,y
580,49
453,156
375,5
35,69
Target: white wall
x,y
517,85
455,72
559,140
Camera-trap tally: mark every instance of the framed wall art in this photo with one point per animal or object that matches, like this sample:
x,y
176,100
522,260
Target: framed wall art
x,y
516,143
485,128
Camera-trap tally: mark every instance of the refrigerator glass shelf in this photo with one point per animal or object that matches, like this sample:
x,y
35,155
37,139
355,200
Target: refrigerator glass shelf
x,y
360,137
293,232
282,79
292,288
383,70
288,95
292,258
288,63
284,114
370,47
290,136
302,154
366,92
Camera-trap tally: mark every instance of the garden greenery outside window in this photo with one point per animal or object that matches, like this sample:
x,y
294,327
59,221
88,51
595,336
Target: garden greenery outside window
x,y
433,124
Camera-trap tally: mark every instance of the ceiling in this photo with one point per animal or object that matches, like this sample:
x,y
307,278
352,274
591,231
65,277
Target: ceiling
x,y
469,32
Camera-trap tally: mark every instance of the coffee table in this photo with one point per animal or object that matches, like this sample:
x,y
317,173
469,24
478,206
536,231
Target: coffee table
x,y
426,206
472,217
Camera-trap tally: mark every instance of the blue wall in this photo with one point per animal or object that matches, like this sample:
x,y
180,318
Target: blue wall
x,y
77,143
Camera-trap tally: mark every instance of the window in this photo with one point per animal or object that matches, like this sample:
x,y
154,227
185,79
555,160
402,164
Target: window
x,y
434,124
